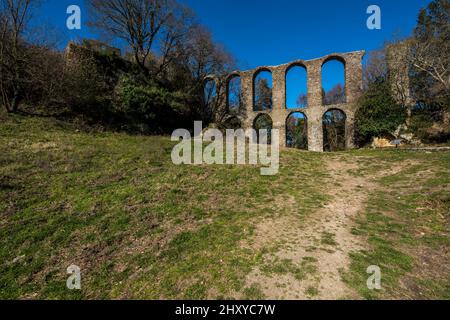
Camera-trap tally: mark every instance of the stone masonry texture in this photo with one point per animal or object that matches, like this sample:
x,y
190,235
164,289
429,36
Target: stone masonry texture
x,y
316,110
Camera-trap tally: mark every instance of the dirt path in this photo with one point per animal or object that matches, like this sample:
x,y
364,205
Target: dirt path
x,y
317,248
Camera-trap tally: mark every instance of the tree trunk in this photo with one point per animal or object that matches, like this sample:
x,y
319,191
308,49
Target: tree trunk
x,y
408,115
15,103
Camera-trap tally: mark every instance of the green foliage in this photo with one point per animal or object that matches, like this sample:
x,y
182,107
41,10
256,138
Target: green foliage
x,y
264,122
427,123
297,133
88,92
378,112
149,104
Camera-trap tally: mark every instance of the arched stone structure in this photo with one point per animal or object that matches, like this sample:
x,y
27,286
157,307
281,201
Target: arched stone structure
x,y
268,121
233,76
292,67
292,115
256,74
315,110
210,80
344,119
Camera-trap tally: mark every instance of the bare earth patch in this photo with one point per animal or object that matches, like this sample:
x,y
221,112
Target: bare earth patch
x,y
323,238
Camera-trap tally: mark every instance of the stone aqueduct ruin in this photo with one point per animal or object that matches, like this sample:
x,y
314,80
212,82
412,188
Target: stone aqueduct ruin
x,y
315,110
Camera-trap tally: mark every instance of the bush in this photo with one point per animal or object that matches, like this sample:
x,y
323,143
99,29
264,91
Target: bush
x,y
88,92
378,114
150,107
427,123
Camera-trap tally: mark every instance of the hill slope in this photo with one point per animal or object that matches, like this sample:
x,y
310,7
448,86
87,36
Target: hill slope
x,y
140,227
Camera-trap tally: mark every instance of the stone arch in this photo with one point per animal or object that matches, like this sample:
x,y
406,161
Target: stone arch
x,y
300,97
334,56
234,94
263,121
336,93
297,130
233,122
262,90
334,125
210,78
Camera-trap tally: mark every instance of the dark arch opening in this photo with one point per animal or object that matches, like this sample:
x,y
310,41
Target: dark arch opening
x,y
232,123
209,92
263,122
234,93
334,131
262,91
296,87
333,81
297,131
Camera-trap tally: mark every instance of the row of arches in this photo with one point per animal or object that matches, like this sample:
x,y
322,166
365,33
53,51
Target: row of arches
x,y
296,80
333,124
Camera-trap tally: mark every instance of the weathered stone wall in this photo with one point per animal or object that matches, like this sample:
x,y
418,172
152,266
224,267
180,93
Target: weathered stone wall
x,y
315,110
398,65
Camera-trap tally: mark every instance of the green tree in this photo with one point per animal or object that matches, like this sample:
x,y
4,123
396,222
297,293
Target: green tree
x,y
264,122
333,124
378,112
297,133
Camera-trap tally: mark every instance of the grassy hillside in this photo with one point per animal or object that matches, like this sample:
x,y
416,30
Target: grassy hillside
x,y
140,227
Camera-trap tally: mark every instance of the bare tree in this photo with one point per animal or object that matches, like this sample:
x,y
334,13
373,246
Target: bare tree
x,y
297,132
200,57
14,19
302,100
144,25
213,108
430,46
174,36
376,67
263,95
204,57
46,77
334,130
235,94
335,96
390,64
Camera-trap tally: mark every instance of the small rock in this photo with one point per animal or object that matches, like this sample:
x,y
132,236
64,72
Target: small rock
x,y
17,259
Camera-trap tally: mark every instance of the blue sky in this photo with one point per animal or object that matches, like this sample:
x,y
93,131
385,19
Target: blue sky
x,y
268,32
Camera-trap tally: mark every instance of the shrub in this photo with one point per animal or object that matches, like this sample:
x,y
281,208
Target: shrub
x,y
88,91
378,114
149,106
427,123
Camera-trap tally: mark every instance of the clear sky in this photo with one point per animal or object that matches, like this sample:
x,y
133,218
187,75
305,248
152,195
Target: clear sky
x,y
272,32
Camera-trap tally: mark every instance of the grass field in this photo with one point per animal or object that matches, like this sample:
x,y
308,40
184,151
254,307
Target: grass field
x,y
140,227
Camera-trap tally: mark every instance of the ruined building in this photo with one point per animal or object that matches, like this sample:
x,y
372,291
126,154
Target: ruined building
x,y
315,110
